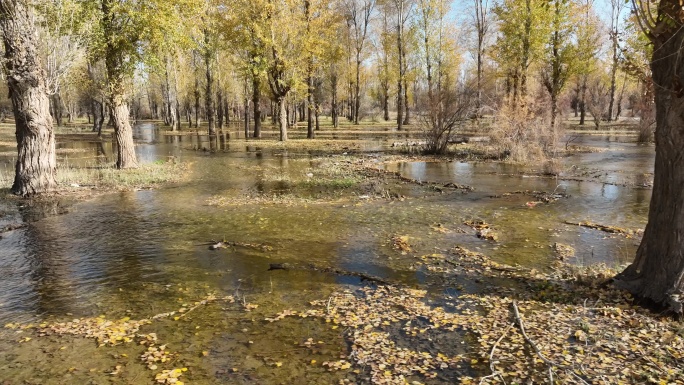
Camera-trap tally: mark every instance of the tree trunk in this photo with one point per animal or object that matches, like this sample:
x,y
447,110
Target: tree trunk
x,y
246,108
219,109
334,113
209,93
613,72
310,107
256,104
657,273
56,103
103,113
407,114
357,89
282,107
583,101
385,101
400,56
197,103
125,157
36,162
115,64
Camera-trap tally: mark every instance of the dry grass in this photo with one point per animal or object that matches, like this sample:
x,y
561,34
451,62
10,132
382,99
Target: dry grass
x,y
107,178
520,136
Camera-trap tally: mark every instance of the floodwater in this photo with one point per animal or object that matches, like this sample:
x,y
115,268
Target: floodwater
x,y
142,253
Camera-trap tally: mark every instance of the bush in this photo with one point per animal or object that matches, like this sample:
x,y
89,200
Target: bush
x,y
522,136
446,111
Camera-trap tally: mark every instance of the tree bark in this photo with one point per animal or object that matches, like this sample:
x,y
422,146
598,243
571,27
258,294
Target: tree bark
x,y
407,113
310,107
613,72
583,101
209,94
36,162
125,157
197,103
657,273
256,104
115,64
219,109
400,56
334,113
282,107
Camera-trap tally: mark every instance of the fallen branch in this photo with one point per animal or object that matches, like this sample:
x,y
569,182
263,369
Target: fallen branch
x,y
550,364
330,270
495,373
225,244
604,228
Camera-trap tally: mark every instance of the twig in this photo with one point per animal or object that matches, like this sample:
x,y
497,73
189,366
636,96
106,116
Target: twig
x,y
495,373
534,346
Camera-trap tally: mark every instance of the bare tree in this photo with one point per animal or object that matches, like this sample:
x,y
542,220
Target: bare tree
x,y
616,7
598,101
403,12
482,25
447,109
359,14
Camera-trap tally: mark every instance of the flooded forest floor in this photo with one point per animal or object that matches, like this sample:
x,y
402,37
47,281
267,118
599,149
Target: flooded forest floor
x,y
332,261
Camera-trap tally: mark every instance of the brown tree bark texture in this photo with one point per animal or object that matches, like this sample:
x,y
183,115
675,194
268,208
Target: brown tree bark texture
x,y
657,273
124,137
36,161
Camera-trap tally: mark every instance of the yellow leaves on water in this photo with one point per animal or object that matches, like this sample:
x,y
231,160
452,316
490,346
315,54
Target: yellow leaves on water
x,y
249,306
106,332
337,365
366,315
170,376
401,243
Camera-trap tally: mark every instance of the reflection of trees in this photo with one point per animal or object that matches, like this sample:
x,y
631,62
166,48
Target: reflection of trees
x,y
45,252
78,258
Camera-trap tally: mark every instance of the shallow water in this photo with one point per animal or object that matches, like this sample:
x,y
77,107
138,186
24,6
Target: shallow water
x,y
141,253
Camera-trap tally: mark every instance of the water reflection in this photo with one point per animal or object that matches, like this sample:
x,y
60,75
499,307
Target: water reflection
x,y
73,262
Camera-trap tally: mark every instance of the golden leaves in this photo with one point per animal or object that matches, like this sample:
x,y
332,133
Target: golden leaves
x,y
401,243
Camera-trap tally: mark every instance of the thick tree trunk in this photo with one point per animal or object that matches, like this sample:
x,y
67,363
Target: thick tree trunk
x,y
657,273
125,157
282,107
36,162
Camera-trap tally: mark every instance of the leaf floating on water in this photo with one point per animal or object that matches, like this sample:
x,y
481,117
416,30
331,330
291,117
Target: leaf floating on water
x,y
401,243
